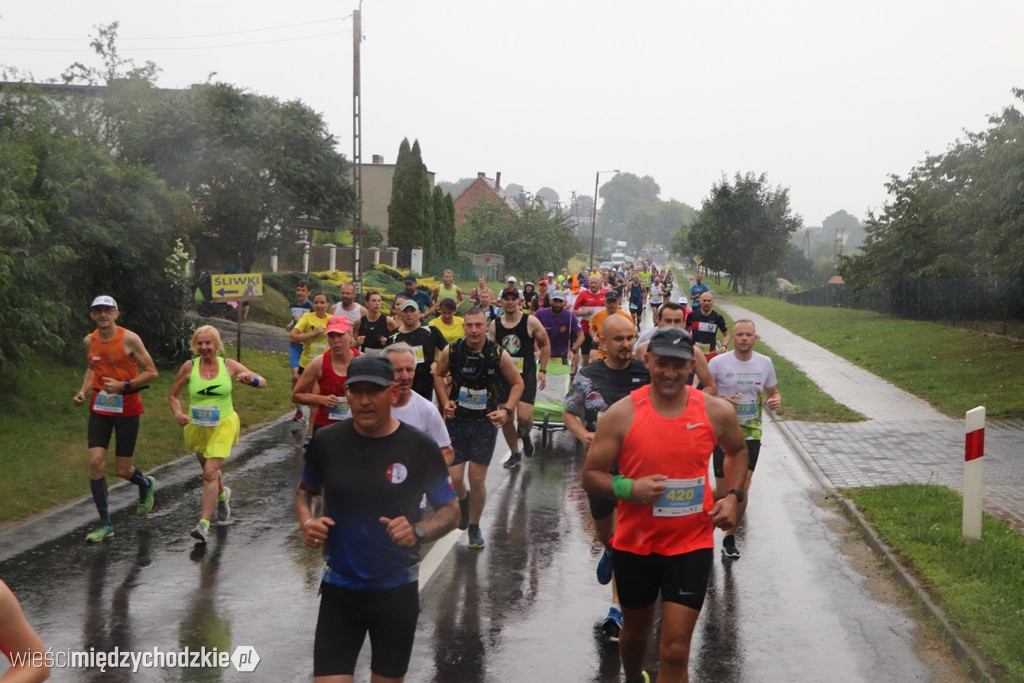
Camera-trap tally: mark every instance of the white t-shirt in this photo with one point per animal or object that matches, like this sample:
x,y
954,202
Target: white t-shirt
x,y
422,414
354,315
747,378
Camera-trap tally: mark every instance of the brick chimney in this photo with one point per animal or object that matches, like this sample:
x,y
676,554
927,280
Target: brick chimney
x,y
497,180
378,159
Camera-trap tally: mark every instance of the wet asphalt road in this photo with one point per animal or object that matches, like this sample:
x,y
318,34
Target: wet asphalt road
x,y
527,607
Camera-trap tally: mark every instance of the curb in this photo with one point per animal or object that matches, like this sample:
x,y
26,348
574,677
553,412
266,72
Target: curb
x,y
979,670
42,528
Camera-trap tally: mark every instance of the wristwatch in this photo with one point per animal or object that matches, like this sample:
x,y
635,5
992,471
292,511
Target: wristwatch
x,y
508,410
127,385
737,493
420,532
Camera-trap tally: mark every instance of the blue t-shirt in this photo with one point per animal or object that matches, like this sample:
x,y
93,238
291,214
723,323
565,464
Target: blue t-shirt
x,y
421,298
364,479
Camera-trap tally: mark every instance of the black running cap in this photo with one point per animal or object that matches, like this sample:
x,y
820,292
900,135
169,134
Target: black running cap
x,y
374,369
671,341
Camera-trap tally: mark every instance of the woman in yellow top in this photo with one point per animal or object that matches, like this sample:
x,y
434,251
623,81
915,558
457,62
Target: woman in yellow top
x,y
310,330
449,323
211,427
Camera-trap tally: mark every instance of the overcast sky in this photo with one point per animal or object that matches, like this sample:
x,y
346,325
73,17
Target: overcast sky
x,y
826,98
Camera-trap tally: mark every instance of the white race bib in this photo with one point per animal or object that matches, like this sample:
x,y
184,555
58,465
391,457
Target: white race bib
x,y
206,416
473,399
341,411
682,497
109,403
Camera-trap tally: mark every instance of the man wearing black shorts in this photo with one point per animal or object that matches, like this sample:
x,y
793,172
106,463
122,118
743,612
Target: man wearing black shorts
x,y
661,437
372,471
471,405
518,333
595,388
119,367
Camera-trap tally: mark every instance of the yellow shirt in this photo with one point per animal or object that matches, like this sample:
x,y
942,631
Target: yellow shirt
x,y
314,346
452,333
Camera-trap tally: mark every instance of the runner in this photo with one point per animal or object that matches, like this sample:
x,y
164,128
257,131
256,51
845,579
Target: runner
x,y
518,333
449,323
470,404
348,306
327,373
656,295
661,437
119,368
705,324
611,308
636,294
372,472
413,409
673,315
25,653
563,327
211,427
373,329
301,306
595,389
447,290
743,377
426,341
588,302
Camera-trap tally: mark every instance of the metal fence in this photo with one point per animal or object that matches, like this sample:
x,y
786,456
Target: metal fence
x,y
955,299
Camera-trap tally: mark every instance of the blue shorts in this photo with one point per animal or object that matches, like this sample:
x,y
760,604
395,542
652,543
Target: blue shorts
x,y
473,441
294,354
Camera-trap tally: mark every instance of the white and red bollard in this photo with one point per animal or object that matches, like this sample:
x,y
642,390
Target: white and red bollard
x,y
974,449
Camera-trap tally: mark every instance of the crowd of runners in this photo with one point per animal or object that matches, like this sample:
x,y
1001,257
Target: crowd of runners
x,y
405,407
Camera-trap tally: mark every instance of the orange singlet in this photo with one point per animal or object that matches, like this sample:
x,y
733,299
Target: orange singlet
x,y
679,448
108,359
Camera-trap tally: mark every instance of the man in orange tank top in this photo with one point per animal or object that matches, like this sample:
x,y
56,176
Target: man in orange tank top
x,y
119,367
660,436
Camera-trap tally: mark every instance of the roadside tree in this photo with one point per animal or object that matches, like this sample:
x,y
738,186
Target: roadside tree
x,y
743,227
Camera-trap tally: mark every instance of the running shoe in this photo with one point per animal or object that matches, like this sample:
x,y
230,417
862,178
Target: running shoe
x,y
729,548
612,625
604,568
513,461
476,539
464,511
224,506
298,415
199,533
100,533
528,446
146,499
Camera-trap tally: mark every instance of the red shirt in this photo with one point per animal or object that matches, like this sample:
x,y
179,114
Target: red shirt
x,y
679,448
332,383
587,298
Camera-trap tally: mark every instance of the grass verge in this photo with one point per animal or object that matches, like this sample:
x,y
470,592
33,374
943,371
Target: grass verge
x,y
46,462
951,368
980,586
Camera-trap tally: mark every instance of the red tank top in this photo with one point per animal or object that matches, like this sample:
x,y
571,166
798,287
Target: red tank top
x,y
108,359
331,382
679,448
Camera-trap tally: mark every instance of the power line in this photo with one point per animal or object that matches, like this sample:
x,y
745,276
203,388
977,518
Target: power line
x,y
196,47
202,35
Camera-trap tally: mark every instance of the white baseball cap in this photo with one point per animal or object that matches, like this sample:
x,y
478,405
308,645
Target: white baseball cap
x,y
104,301
512,279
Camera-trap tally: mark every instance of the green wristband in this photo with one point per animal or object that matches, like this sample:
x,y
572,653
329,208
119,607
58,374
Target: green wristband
x,y
622,487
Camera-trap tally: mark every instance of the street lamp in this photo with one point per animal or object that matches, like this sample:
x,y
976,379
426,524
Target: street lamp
x,y
593,223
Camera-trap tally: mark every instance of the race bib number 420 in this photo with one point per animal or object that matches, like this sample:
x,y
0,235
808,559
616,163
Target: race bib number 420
x,y
682,497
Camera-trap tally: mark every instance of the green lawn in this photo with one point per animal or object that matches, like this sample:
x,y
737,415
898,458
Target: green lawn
x,y
980,586
46,462
951,368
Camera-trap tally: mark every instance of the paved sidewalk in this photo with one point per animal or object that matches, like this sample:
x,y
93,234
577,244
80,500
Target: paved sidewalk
x,y
904,439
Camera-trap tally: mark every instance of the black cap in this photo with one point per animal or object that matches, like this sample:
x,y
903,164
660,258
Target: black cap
x,y
374,369
667,341
611,295
410,280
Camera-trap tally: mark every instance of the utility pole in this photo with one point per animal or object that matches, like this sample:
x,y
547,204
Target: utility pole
x,y
357,156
